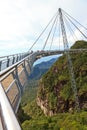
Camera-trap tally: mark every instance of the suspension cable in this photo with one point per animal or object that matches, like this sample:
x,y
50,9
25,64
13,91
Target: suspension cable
x,y
74,19
54,33
42,32
50,32
70,29
76,27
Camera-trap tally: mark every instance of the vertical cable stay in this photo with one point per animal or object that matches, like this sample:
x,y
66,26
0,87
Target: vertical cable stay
x,y
71,72
50,32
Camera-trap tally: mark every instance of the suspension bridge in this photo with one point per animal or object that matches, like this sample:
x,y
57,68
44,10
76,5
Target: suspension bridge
x,y
15,69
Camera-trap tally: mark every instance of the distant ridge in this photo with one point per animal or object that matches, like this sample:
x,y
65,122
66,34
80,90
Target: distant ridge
x,y
41,68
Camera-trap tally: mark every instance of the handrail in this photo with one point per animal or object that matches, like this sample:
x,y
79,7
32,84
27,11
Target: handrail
x,y
14,54
6,61
10,120
13,66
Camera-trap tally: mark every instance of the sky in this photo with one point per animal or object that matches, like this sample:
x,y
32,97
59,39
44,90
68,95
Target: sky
x,y
46,59
22,21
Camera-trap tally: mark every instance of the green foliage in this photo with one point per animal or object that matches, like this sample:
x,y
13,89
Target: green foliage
x,y
32,118
57,82
79,45
30,92
33,110
52,101
83,89
66,92
22,116
63,121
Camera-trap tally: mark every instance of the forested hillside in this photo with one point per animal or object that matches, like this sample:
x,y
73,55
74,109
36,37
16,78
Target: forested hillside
x,y
31,116
55,92
56,98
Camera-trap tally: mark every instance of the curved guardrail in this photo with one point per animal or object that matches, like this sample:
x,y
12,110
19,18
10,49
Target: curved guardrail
x,y
8,118
12,82
6,61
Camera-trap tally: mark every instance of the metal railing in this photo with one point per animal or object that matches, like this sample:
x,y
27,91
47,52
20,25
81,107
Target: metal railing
x,y
10,96
8,118
6,61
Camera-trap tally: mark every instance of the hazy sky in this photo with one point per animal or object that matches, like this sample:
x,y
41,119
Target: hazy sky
x,y
21,21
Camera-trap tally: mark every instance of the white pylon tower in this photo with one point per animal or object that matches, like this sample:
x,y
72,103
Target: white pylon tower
x,y
71,72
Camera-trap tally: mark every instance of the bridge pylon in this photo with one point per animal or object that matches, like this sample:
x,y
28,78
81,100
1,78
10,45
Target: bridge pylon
x,y
70,66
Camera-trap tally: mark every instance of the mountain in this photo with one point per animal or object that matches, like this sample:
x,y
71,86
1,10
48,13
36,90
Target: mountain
x,y
55,93
40,69
55,97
